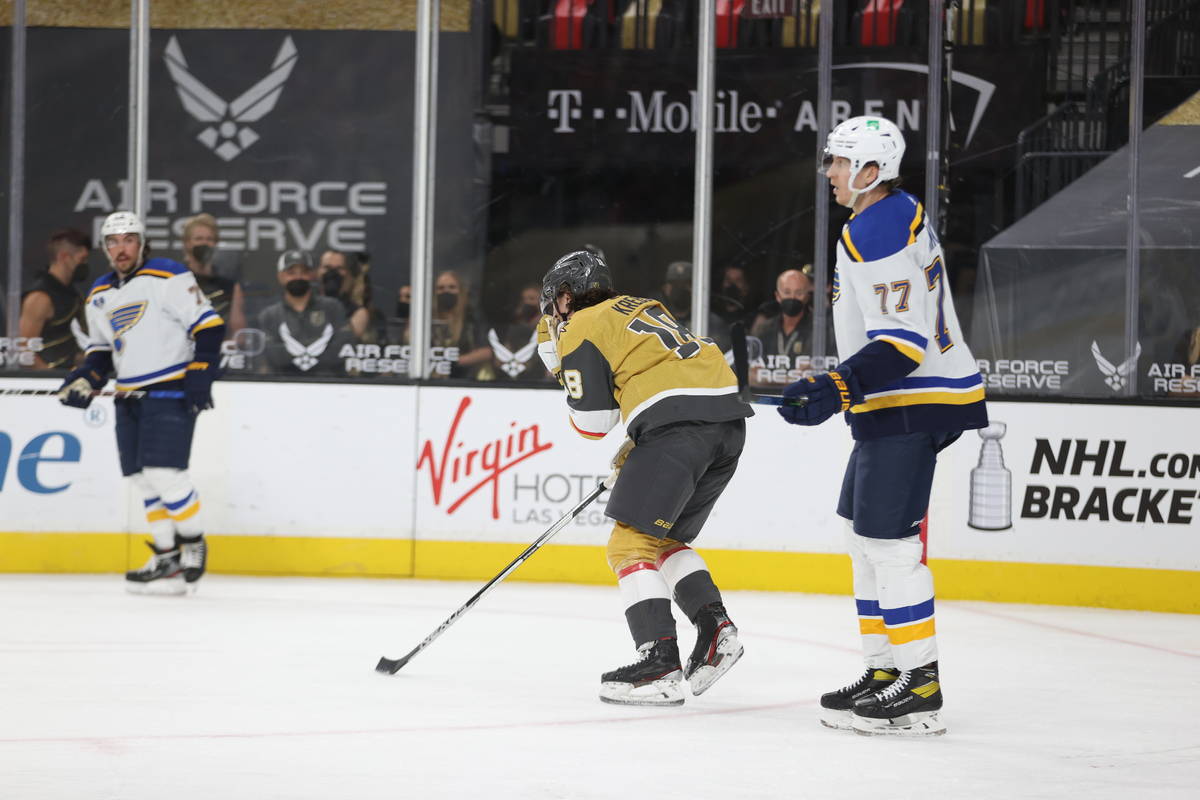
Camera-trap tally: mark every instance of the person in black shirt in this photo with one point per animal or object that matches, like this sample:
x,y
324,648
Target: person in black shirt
x,y
304,331
200,237
52,308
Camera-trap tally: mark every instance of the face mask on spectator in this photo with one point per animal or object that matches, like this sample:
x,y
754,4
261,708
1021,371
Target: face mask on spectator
x,y
331,283
202,254
297,287
528,311
733,295
402,309
791,306
81,272
446,301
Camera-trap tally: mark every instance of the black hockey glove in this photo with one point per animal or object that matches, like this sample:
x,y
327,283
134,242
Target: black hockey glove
x,y
197,385
76,390
827,395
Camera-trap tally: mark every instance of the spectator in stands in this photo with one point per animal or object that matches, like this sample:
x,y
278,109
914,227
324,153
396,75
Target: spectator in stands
x,y
200,237
514,344
342,279
788,332
52,308
457,330
304,331
732,298
677,296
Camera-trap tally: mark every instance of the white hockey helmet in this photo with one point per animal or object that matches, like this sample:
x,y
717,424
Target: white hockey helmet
x,y
121,222
866,140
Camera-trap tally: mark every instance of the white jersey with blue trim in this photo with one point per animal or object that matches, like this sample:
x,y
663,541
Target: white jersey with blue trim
x,y
148,321
891,287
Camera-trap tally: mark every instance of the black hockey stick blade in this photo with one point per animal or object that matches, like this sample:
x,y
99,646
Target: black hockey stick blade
x,y
741,361
776,400
389,666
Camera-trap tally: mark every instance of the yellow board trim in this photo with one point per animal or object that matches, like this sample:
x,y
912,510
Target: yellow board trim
x,y
911,633
822,573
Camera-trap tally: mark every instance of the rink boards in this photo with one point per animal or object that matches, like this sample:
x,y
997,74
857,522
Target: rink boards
x,y
1072,504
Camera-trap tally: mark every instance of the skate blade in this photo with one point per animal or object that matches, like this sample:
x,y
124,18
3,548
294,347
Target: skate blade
x,y
926,723
656,693
729,650
162,587
837,720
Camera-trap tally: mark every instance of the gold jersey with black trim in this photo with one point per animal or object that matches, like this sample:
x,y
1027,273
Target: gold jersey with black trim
x,y
627,358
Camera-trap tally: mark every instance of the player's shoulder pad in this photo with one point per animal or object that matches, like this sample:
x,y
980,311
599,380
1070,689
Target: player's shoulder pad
x,y
163,268
102,283
885,228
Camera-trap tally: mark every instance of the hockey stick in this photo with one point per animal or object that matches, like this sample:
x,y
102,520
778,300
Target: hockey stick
x,y
388,666
741,369
130,395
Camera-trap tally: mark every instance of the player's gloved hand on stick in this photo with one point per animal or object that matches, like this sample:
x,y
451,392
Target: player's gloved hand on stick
x,y
76,390
618,461
548,331
827,394
197,385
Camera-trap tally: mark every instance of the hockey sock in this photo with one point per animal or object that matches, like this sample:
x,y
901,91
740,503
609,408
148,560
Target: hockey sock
x,y
687,577
179,498
877,651
156,513
905,590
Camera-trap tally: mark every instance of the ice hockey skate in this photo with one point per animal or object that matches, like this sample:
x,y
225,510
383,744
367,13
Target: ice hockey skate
x,y
836,706
193,557
162,574
717,648
653,680
909,707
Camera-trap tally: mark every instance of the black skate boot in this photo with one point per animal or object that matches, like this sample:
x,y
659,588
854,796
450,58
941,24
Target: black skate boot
x,y
717,647
909,707
653,680
161,575
193,556
836,706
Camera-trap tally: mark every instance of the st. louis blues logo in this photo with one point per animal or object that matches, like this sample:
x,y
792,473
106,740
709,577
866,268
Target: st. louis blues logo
x,y
227,134
124,318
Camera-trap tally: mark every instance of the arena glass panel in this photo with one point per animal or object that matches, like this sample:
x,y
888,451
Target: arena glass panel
x,y
280,172
75,140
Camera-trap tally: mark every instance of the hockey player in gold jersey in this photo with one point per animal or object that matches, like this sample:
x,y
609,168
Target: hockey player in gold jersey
x,y
626,358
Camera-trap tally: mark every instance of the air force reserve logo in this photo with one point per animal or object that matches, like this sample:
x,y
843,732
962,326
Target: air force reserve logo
x,y
227,134
1116,376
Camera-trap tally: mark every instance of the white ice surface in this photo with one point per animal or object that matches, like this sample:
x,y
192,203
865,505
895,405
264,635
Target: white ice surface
x,y
265,688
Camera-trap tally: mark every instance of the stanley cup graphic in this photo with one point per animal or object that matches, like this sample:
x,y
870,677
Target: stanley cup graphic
x,y
991,484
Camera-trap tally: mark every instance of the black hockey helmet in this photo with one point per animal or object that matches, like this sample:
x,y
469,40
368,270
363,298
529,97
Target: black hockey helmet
x,y
578,272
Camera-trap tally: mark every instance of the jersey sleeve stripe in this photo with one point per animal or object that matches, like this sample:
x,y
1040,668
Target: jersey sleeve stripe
x,y
594,424
208,319
906,348
157,273
915,225
851,250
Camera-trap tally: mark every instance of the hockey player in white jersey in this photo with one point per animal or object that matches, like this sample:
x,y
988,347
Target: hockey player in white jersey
x,y
909,386
150,323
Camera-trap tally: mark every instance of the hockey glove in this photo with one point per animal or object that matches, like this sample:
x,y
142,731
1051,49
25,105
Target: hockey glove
x,y
76,390
548,331
197,385
827,395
